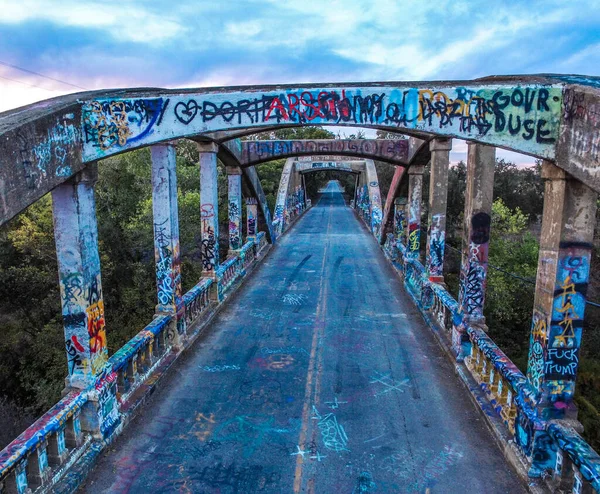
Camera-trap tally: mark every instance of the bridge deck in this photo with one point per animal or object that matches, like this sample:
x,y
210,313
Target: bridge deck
x,y
319,376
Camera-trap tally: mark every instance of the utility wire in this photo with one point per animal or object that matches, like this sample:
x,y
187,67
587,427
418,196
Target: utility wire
x,y
516,276
42,75
25,83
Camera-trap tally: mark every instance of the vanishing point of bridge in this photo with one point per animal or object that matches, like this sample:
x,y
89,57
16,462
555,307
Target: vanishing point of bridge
x,y
337,364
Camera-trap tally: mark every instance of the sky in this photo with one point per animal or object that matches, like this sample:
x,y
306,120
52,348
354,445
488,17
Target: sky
x,y
195,43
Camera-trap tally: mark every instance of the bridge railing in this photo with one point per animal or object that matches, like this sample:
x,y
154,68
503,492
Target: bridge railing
x,y
197,300
51,442
41,455
576,466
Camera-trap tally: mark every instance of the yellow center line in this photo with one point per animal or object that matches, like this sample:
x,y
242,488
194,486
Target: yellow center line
x,y
313,363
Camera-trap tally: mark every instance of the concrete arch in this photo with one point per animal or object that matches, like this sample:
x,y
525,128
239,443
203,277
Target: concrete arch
x,y
553,117
393,151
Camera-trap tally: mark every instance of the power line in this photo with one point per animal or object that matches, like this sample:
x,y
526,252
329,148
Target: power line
x,y
42,75
25,83
512,275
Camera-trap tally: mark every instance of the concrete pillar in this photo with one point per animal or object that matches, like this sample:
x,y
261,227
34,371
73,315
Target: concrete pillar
x,y
251,218
476,231
356,190
76,237
415,195
166,234
560,296
234,191
438,199
399,218
304,205
476,235
209,208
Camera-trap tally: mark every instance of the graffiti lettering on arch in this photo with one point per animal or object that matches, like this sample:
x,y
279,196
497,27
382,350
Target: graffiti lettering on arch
x,y
523,118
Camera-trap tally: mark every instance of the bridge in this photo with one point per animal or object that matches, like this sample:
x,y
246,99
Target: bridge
x,y
322,353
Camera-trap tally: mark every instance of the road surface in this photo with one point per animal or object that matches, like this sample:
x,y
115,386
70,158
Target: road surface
x,y
319,376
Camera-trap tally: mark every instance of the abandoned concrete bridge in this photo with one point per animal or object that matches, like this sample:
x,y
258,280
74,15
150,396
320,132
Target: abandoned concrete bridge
x,y
321,354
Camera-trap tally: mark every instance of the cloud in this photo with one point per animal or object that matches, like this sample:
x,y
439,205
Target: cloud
x,y
186,43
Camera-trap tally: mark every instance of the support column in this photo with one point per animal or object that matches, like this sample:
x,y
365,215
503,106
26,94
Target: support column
x,y
304,203
479,192
209,208
356,185
251,218
399,218
166,234
415,195
76,237
476,230
234,191
560,295
559,308
438,199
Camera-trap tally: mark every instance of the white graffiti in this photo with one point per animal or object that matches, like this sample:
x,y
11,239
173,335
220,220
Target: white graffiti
x,y
388,383
294,299
219,368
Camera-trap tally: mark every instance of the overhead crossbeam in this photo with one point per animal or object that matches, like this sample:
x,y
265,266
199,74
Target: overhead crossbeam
x,y
549,117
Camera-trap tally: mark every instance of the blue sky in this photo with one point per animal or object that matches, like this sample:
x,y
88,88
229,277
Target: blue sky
x,y
161,43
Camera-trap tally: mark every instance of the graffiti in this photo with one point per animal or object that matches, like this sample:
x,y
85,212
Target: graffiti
x,y
581,112
335,404
109,124
414,238
526,117
231,478
251,225
108,410
562,363
261,392
95,319
388,383
294,298
219,368
474,269
332,432
75,355
564,339
537,348
72,285
208,249
259,151
207,211
48,157
165,271
436,246
185,112
252,432
399,221
275,362
287,349
480,228
364,484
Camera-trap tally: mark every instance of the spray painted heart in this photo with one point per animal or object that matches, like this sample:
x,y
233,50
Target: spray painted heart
x,y
186,112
